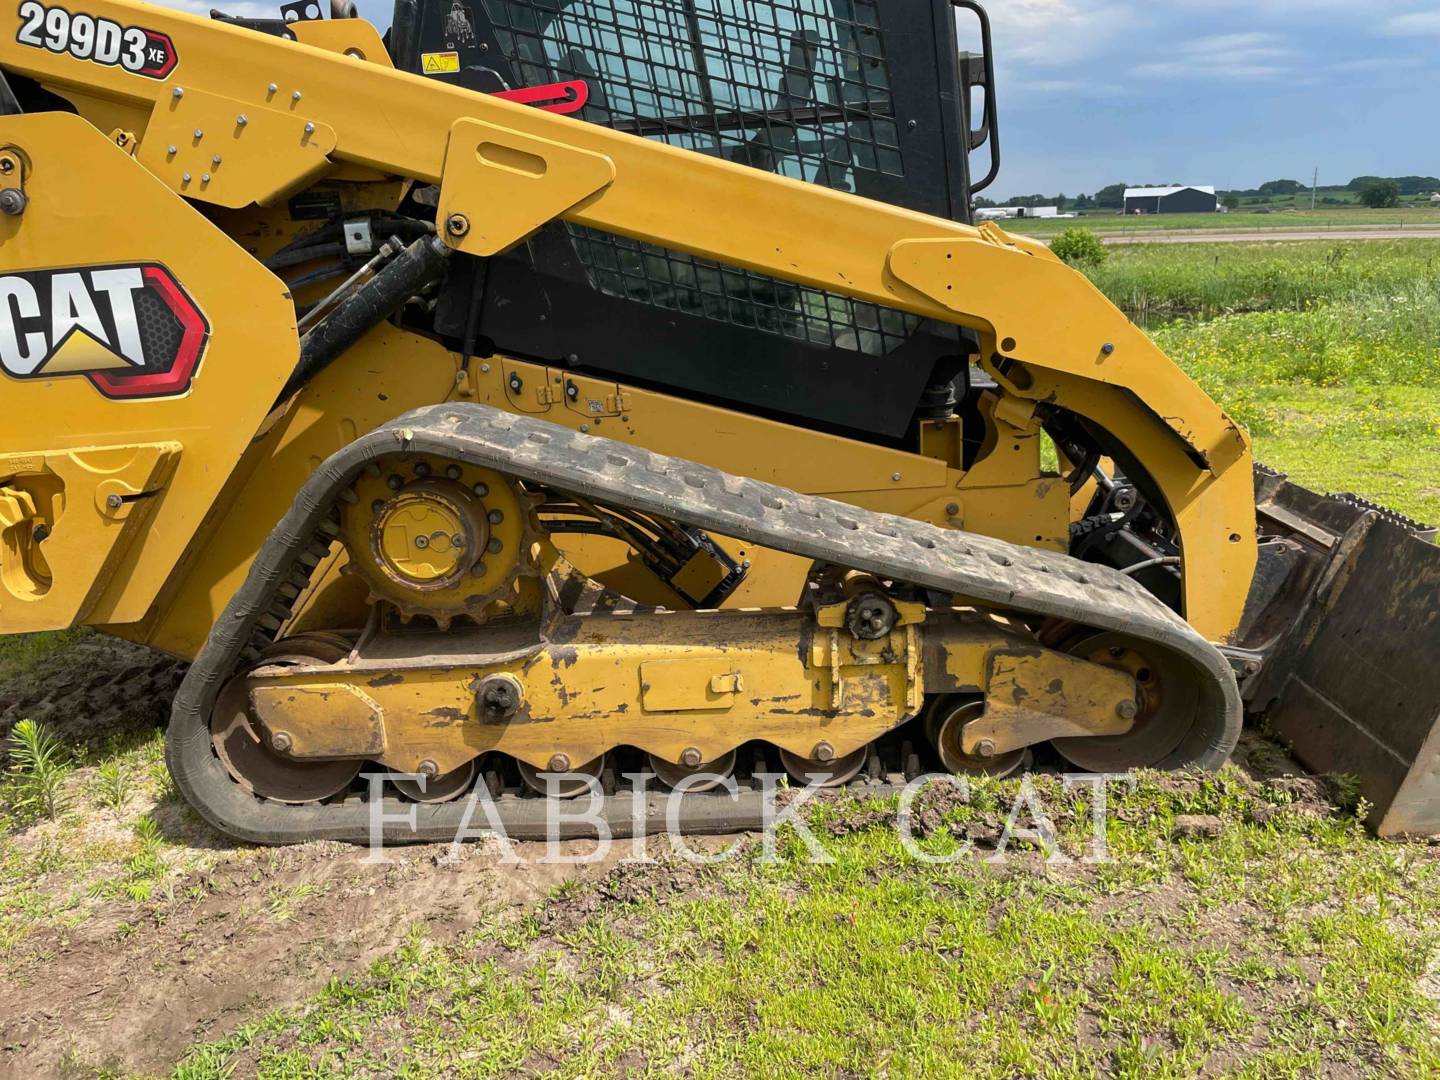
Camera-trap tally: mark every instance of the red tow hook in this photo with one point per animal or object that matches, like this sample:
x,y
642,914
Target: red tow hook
x,y
561,97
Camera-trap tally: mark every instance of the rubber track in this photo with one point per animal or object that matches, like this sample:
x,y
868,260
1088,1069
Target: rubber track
x,y
1004,575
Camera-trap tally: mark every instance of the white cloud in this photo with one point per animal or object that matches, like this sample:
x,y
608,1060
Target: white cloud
x,y
1053,33
245,9
1380,63
1252,55
1418,22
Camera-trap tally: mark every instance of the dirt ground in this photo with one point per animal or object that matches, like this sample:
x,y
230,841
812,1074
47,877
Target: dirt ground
x,y
132,991
124,985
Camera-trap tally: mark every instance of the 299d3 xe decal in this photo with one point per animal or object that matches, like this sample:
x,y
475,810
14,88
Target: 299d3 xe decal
x,y
131,330
89,37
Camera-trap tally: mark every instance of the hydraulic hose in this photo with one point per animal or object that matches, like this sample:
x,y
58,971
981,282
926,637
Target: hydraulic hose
x,y
402,277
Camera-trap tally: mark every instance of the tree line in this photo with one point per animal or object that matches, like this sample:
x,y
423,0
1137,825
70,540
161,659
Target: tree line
x,y
1378,191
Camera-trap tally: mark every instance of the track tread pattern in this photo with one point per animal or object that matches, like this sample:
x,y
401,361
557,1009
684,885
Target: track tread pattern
x,y
983,569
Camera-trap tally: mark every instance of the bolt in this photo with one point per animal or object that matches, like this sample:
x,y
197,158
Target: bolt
x,y
877,623
242,120
309,128
457,541
205,178
481,489
690,757
452,472
572,391
985,748
496,517
185,178
281,741
478,570
823,752
7,165
559,763
457,225
428,769
177,92
1127,710
12,201
422,542
295,96
1251,667
199,134
584,428
215,160
422,469
170,150
114,502
272,88
394,482
42,531
895,477
1107,348
494,546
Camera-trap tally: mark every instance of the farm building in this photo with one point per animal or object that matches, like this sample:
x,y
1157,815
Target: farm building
x,y
997,213
1171,200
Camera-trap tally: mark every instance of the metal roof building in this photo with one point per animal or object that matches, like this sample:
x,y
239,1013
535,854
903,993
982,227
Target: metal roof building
x,y
1191,199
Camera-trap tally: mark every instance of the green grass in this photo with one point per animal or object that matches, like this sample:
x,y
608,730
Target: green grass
x,y
1243,220
1328,353
1155,281
1292,948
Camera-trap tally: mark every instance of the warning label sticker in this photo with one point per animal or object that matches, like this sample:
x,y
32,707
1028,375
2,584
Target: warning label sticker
x,y
437,63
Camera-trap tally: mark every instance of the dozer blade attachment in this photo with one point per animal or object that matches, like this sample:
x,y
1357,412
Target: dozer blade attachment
x,y
1351,670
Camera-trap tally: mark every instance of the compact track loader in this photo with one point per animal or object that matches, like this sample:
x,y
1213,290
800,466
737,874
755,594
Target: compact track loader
x,y
555,388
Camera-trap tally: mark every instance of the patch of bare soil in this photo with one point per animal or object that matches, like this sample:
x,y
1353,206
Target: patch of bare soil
x,y
93,688
136,986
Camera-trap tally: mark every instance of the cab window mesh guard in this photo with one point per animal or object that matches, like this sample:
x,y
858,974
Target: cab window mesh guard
x,y
796,87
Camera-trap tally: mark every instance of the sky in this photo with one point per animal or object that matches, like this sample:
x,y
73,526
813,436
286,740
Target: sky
x,y
1223,92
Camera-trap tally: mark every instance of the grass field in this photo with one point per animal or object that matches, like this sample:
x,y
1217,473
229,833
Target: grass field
x,y
1339,219
1269,937
1329,352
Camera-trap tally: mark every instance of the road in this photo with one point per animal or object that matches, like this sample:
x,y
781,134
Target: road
x,y
1214,236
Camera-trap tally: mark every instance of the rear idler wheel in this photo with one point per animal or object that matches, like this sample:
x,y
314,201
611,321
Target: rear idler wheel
x,y
247,750
437,789
709,775
560,781
824,774
945,724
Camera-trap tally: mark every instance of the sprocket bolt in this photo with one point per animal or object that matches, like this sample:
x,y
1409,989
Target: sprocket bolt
x,y
281,741
690,757
559,763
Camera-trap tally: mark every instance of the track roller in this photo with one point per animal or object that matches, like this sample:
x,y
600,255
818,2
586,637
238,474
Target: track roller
x,y
672,774
825,774
564,782
437,789
944,724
